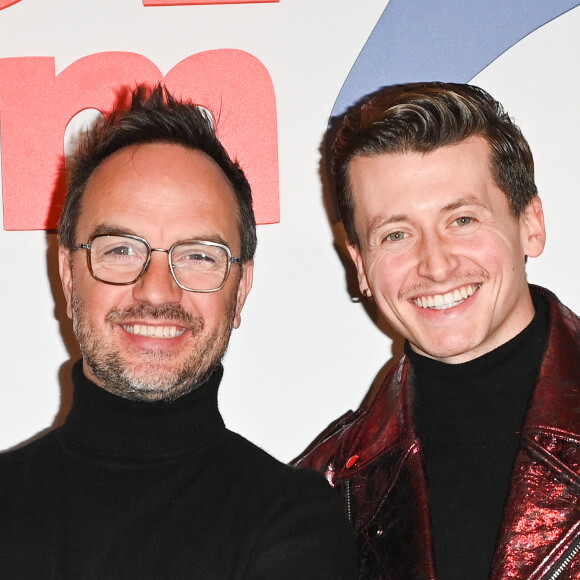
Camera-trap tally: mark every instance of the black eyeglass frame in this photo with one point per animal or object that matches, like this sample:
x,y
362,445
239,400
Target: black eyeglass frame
x,y
231,260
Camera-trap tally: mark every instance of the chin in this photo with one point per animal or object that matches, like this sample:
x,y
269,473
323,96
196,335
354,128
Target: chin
x,y
453,352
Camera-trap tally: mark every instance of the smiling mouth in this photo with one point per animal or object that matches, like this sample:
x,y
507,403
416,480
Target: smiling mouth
x,y
449,300
154,331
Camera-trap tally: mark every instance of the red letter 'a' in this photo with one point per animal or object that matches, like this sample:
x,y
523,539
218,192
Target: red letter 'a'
x,y
36,107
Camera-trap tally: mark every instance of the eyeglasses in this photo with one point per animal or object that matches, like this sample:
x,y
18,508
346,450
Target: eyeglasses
x,y
196,265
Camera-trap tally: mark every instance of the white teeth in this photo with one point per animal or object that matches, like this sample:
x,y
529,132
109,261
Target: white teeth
x,y
448,300
154,331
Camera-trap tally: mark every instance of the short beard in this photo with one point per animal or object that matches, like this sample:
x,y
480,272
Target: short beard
x,y
153,381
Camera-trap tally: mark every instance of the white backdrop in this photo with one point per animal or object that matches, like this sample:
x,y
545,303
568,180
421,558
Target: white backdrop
x,y
304,353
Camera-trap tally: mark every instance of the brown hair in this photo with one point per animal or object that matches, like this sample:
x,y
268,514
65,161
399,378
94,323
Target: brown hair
x,y
154,117
421,117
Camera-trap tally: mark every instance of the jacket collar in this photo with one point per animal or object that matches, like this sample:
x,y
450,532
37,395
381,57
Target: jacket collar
x,y
555,403
387,424
541,522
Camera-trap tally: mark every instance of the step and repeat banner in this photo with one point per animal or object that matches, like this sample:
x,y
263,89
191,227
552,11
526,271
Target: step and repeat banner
x,y
276,72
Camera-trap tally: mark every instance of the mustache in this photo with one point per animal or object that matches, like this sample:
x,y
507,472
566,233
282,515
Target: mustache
x,y
166,312
462,279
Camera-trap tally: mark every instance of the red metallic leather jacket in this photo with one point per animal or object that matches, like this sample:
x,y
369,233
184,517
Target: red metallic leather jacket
x,y
373,458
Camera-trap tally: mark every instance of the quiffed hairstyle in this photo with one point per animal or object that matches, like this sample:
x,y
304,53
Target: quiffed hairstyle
x,y
421,117
153,117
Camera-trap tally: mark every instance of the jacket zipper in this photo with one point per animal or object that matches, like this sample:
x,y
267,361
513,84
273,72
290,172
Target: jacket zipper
x,y
564,560
348,500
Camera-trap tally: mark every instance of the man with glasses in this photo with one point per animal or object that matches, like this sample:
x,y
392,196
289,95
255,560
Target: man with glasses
x,y
143,480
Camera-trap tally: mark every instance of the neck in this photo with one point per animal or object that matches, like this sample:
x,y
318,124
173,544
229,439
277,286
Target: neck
x,y
483,394
109,425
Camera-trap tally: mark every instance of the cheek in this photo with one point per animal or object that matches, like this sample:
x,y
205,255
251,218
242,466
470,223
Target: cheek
x,y
388,274
499,243
494,254
97,299
207,306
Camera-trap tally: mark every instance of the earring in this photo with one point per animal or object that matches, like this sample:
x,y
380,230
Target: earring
x,y
367,294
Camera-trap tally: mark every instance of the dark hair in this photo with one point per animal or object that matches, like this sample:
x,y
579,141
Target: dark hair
x,y
153,117
421,117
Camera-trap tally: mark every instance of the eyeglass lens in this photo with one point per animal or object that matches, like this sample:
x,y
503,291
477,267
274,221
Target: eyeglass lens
x,y
196,266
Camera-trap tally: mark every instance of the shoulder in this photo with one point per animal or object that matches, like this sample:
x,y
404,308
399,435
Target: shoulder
x,y
329,448
39,446
29,464
256,465
273,489
366,433
297,520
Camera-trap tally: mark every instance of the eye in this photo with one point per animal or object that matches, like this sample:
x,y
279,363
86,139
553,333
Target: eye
x,y
194,260
396,236
117,251
463,221
199,258
120,251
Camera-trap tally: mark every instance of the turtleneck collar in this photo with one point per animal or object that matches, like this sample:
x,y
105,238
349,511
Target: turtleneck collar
x,y
483,397
109,426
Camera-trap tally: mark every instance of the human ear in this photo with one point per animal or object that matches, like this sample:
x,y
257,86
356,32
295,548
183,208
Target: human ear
x,y
533,229
244,287
360,269
65,271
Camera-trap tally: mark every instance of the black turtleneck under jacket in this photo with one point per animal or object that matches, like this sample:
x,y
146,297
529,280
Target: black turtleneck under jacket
x,y
130,490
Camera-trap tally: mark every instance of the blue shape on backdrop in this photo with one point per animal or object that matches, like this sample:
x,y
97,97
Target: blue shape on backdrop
x,y
447,40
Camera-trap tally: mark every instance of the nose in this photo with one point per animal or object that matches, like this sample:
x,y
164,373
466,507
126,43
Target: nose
x,y
437,259
157,286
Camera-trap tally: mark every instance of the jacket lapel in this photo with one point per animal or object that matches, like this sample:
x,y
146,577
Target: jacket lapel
x,y
542,517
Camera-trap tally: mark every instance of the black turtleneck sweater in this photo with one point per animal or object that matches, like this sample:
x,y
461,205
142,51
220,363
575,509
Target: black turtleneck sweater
x,y
130,490
468,418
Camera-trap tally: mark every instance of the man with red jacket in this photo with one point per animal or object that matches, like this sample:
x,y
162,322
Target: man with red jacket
x,y
466,465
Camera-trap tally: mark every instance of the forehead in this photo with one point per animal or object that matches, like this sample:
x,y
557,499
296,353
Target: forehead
x,y
160,191
405,183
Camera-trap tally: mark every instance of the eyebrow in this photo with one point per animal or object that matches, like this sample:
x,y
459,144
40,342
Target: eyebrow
x,y
452,206
378,222
110,230
114,230
459,203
